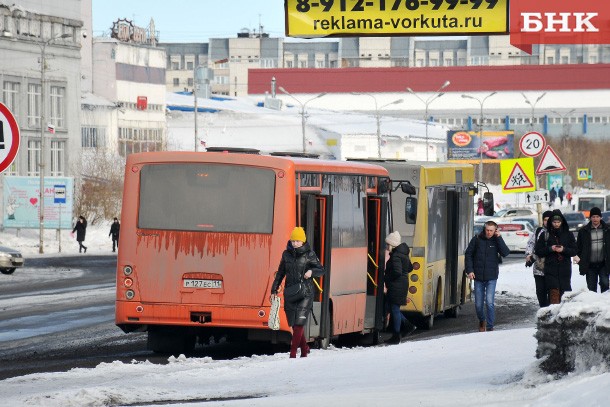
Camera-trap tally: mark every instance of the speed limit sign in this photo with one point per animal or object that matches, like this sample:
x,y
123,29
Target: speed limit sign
x,y
532,144
9,138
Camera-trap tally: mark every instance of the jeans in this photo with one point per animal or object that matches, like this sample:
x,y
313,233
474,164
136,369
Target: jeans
x,y
484,295
397,318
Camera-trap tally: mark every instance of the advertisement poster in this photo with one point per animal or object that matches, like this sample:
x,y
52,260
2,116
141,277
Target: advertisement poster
x,y
21,202
467,147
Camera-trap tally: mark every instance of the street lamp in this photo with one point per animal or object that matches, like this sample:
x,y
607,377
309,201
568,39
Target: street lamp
x,y
378,117
481,102
303,113
41,165
427,102
533,105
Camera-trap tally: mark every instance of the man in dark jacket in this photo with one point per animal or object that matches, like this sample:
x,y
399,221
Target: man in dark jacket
x,y
593,251
396,278
482,266
115,229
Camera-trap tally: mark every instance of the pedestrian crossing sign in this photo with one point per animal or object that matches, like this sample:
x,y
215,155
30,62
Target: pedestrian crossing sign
x,y
583,174
517,175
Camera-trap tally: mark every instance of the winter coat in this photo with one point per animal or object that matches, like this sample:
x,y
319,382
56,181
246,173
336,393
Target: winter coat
x,y
583,246
529,249
293,265
557,266
81,230
482,256
396,274
114,230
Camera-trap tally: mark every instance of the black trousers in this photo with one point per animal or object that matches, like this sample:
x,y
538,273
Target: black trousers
x,y
597,271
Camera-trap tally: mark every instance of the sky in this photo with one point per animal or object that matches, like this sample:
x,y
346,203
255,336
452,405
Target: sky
x,y
476,369
192,20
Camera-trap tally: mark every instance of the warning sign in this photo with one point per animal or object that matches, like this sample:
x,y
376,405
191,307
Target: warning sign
x,y
550,162
517,175
583,174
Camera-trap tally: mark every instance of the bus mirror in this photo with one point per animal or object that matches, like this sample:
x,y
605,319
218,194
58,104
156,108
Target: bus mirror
x,y
410,210
407,188
488,204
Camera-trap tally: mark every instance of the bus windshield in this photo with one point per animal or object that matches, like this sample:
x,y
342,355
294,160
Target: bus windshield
x,y
586,203
206,197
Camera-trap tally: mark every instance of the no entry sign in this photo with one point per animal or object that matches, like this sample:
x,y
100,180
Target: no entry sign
x,y
9,138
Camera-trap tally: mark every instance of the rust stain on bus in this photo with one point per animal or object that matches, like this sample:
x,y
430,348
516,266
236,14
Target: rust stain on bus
x,y
209,244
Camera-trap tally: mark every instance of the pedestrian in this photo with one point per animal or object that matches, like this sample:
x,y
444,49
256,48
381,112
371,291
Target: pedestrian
x,y
569,198
115,229
593,251
561,193
396,278
482,259
553,196
531,260
557,246
81,229
480,207
298,264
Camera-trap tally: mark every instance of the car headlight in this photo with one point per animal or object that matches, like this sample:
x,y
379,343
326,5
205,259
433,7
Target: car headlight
x,y
2,254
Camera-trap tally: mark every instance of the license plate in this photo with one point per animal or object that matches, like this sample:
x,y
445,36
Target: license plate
x,y
192,283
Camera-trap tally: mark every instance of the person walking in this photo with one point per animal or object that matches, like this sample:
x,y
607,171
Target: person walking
x,y
482,258
298,264
532,260
396,278
81,229
561,193
552,196
115,229
593,251
569,198
557,247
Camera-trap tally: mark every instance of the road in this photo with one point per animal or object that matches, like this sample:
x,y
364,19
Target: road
x,y
58,314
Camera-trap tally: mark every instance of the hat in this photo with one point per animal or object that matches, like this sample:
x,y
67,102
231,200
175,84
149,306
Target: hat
x,y
557,217
298,233
547,214
393,239
595,211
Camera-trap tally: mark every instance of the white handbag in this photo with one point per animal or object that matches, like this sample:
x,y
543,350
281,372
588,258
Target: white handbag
x,y
274,313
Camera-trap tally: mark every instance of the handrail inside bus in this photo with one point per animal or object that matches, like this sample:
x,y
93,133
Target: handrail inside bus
x,y
369,274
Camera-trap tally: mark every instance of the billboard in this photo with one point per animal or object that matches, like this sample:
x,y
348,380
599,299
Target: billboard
x,y
467,147
21,202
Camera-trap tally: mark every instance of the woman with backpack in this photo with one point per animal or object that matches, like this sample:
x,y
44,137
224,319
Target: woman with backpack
x,y
531,260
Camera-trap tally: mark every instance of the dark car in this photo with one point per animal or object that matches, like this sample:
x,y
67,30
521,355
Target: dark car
x,y
575,220
606,216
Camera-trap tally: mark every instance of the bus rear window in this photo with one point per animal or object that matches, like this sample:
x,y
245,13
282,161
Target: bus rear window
x,y
206,197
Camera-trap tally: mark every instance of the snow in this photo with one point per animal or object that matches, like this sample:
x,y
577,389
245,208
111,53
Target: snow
x,y
496,368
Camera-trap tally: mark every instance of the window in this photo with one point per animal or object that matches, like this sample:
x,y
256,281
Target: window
x,y
10,93
93,137
189,82
175,65
57,158
33,157
12,169
302,64
320,64
189,66
34,105
58,110
176,82
289,64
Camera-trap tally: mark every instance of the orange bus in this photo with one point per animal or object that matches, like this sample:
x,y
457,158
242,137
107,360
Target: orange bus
x,y
202,236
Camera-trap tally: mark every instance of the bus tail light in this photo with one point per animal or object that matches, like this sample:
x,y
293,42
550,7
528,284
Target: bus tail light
x,y
129,294
525,234
128,282
412,289
127,270
416,266
414,277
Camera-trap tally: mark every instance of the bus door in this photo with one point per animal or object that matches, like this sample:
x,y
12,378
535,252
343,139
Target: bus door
x,y
316,218
377,212
452,275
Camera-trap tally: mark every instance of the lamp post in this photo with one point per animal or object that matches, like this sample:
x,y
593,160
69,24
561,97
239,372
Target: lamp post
x,y
41,164
481,102
427,102
303,113
533,105
378,117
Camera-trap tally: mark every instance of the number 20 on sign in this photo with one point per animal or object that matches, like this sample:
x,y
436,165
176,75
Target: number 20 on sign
x,y
532,144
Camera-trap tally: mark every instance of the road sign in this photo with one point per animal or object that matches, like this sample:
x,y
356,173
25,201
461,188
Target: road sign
x,y
60,194
9,138
536,197
532,144
582,174
517,175
550,162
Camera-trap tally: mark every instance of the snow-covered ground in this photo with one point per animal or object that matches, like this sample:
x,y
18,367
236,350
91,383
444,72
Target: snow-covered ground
x,y
479,369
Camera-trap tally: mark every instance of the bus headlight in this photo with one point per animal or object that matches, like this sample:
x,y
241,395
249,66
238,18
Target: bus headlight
x,y
127,270
129,294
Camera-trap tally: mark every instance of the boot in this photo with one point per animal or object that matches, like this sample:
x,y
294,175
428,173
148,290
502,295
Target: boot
x,y
304,346
297,333
482,326
395,339
407,329
554,296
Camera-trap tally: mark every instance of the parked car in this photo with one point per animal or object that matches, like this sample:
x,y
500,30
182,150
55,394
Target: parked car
x,y
575,220
478,228
10,259
510,213
606,216
516,234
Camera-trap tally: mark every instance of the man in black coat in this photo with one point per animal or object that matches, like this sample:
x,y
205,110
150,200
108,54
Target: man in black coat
x,y
115,229
593,251
482,260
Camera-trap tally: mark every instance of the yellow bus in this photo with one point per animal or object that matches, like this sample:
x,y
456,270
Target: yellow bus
x,y
432,206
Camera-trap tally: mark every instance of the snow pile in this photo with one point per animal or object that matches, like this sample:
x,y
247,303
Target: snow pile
x,y
575,335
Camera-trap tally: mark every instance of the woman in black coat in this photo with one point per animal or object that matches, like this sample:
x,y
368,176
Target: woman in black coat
x,y
396,278
81,229
557,247
299,264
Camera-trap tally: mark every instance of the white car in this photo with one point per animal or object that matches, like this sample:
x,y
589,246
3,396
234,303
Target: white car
x,y
10,259
516,234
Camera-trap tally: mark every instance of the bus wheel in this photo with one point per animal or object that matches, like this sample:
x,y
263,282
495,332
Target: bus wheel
x,y
170,341
453,312
324,343
429,321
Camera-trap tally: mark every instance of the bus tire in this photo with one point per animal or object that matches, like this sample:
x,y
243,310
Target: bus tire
x,y
170,341
324,343
453,312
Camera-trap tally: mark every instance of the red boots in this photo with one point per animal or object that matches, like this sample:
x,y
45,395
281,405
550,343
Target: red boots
x,y
298,340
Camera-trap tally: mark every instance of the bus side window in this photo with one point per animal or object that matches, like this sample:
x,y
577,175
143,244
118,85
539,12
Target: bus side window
x,y
410,210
